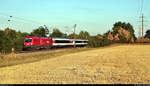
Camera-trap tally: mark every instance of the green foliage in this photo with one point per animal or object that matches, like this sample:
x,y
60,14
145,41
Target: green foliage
x,y
1,39
84,35
98,41
99,36
57,33
123,39
19,42
93,42
40,32
11,39
71,36
104,43
8,41
123,25
147,35
126,26
105,40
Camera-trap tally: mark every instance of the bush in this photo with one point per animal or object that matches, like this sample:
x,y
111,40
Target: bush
x,y
105,42
19,42
143,40
11,39
94,42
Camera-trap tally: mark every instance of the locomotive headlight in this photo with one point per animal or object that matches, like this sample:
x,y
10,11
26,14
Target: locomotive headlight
x,y
31,44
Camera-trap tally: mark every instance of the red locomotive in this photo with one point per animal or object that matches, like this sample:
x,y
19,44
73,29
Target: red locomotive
x,y
37,42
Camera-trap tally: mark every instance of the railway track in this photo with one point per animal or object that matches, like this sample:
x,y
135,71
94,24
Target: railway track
x,y
43,50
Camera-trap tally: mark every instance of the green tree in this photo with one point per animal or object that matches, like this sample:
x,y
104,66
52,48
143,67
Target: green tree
x,y
123,25
40,32
2,34
99,36
126,26
147,35
10,33
57,33
19,42
8,40
84,35
71,36
94,42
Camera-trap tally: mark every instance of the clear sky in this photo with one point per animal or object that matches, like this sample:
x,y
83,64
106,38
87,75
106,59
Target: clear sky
x,y
94,16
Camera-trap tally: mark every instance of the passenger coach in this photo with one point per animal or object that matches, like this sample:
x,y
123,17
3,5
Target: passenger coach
x,y
62,42
80,42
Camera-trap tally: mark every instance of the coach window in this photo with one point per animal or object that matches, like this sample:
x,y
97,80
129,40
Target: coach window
x,y
78,41
62,41
85,41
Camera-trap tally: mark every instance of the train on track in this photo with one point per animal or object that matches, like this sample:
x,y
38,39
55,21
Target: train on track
x,y
32,42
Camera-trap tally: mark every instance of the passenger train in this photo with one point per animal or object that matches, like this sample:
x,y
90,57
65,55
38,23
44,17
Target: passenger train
x,y
32,42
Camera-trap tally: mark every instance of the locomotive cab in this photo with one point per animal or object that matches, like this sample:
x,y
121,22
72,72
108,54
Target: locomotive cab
x,y
28,41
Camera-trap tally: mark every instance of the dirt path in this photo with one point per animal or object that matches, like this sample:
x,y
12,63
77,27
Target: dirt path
x,y
120,64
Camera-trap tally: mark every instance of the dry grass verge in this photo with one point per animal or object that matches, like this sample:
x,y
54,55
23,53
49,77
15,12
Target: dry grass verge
x,y
14,59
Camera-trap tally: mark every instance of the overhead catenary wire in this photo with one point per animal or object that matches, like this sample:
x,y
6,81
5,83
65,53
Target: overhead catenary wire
x,y
142,2
142,17
139,7
12,21
21,19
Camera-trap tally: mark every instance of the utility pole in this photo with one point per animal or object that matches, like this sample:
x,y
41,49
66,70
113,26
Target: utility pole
x,y
75,34
9,20
139,32
66,31
142,25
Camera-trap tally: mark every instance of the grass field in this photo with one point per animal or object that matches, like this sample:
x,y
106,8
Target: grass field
x,y
119,64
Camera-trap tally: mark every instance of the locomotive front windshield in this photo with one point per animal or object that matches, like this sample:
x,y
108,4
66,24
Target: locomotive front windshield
x,y
28,40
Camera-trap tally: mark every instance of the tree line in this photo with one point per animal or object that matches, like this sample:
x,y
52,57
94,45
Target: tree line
x,y
10,38
121,32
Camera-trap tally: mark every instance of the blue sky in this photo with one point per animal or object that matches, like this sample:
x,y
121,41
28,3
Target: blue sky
x,y
94,16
